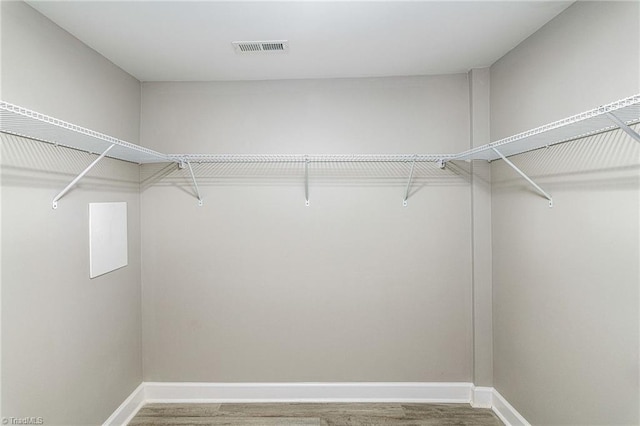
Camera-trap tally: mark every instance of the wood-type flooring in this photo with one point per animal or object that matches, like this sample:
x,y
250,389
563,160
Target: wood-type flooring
x,y
307,414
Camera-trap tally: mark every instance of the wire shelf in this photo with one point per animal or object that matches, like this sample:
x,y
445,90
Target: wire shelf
x,y
23,122
575,127
300,158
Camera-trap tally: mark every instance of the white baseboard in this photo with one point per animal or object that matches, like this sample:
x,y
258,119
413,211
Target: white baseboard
x,y
128,409
309,392
481,397
454,392
506,412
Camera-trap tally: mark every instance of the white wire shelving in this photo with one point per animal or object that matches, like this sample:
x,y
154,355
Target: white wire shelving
x,y
16,120
619,114
19,121
302,158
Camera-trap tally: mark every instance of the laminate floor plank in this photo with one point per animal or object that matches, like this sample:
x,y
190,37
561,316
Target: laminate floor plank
x,y
227,421
314,414
179,410
316,410
451,412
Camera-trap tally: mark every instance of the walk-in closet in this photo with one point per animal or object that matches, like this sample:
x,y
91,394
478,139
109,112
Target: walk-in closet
x,y
320,213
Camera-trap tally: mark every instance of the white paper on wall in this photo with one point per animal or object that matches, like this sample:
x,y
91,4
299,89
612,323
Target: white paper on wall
x,y
107,237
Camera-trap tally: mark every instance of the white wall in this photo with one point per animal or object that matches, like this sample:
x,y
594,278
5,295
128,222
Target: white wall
x,y
71,346
254,286
565,280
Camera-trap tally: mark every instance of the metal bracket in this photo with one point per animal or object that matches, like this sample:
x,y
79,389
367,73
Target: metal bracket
x,y
521,173
623,126
306,182
441,163
406,192
195,184
54,204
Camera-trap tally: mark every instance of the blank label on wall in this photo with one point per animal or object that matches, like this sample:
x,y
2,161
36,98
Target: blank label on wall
x,y
107,237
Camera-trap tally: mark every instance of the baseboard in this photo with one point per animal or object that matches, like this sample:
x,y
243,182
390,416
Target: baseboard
x,y
128,409
309,392
506,412
454,392
481,397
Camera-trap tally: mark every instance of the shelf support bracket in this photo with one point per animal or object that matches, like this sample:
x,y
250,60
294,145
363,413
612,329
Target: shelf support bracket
x,y
54,204
623,126
193,179
528,179
306,182
406,192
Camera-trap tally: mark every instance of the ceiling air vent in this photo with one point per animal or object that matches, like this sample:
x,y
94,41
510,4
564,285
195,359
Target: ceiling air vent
x,y
260,46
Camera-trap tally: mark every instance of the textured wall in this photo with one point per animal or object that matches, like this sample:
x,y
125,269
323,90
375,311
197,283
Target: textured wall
x,y
254,286
566,279
71,346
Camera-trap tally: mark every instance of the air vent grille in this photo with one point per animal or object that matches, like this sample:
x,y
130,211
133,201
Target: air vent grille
x,y
273,46
261,46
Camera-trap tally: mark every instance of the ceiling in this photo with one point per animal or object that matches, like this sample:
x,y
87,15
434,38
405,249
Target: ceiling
x,y
191,41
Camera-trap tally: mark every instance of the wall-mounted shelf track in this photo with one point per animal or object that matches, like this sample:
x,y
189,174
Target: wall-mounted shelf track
x,y
23,122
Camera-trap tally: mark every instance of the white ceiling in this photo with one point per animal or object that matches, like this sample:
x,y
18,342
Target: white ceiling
x,y
191,41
